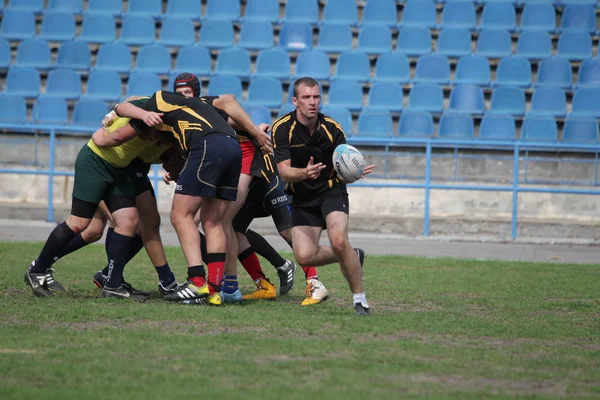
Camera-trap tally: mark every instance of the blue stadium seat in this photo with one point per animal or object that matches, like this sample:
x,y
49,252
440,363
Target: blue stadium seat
x,y
98,29
33,53
589,73
256,35
273,63
143,83
17,25
50,110
335,38
499,16
266,92
392,67
494,43
578,18
71,6
233,62
114,57
386,97
145,8
137,30
36,6
456,126
177,31
354,66
497,127
548,102
153,58
418,14
346,94
414,41
224,10
340,12
75,55
5,54
380,12
110,7
285,108
432,68
89,112
262,10
454,42
23,81
184,9
574,45
373,123
313,63
534,45
63,83
225,85
586,103
13,108
259,115
375,39
426,97
341,116
466,99
539,129
513,71
194,59
473,69
216,34
459,15
57,26
580,130
508,100
554,71
415,124
538,16
104,85
296,36
301,11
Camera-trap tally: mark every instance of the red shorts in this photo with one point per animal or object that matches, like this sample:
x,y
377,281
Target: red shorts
x,y
252,161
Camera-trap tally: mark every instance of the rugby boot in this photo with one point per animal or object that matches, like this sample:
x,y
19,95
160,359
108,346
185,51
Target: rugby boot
x,y
188,291
38,283
230,298
286,277
362,310
50,282
265,291
315,292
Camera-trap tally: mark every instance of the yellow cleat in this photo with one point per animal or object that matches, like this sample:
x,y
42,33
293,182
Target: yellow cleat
x,y
214,299
315,292
266,291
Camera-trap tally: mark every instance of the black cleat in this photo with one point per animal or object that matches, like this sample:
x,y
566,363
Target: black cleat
x,y
122,292
286,277
51,284
100,280
171,288
361,256
361,310
38,283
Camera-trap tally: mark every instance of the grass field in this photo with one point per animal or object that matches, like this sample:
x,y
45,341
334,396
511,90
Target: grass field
x,y
441,329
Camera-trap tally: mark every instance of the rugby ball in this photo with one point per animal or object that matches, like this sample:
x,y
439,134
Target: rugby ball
x,y
348,163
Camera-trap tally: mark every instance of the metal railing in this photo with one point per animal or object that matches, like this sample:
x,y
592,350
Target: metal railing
x,y
517,147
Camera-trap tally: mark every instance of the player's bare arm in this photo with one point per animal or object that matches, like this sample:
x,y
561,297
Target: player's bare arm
x,y
103,138
291,174
128,110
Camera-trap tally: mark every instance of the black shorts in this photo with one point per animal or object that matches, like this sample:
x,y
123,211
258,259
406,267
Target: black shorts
x,y
139,170
312,212
212,168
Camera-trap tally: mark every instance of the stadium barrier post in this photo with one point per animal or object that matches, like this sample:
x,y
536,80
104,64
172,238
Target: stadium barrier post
x,y
427,187
515,192
51,175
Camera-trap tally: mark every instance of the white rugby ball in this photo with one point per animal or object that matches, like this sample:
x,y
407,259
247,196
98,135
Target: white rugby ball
x,y
348,163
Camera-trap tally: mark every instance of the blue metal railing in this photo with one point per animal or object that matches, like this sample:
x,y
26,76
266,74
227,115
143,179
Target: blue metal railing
x,y
427,185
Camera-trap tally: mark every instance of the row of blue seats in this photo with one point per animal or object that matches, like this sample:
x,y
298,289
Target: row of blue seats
x,y
305,11
467,98
391,67
89,112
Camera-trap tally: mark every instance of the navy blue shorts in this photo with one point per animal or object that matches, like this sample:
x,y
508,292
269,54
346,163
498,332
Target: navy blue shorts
x,y
212,168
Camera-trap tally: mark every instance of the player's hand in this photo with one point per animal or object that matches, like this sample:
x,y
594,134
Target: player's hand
x,y
314,170
109,118
264,142
167,178
152,119
368,169
264,127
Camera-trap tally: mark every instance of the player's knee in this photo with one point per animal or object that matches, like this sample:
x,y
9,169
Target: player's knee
x,y
304,257
128,224
92,234
339,245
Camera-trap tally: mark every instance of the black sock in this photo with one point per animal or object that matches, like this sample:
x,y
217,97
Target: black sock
x,y
118,255
136,245
203,246
264,249
58,239
109,235
165,275
75,244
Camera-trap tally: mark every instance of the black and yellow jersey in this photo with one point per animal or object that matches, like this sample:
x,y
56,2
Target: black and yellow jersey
x,y
187,119
293,141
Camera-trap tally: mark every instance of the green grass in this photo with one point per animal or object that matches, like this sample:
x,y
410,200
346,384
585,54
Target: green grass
x,y
441,329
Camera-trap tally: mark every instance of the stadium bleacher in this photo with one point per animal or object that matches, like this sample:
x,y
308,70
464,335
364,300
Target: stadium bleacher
x,y
428,68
